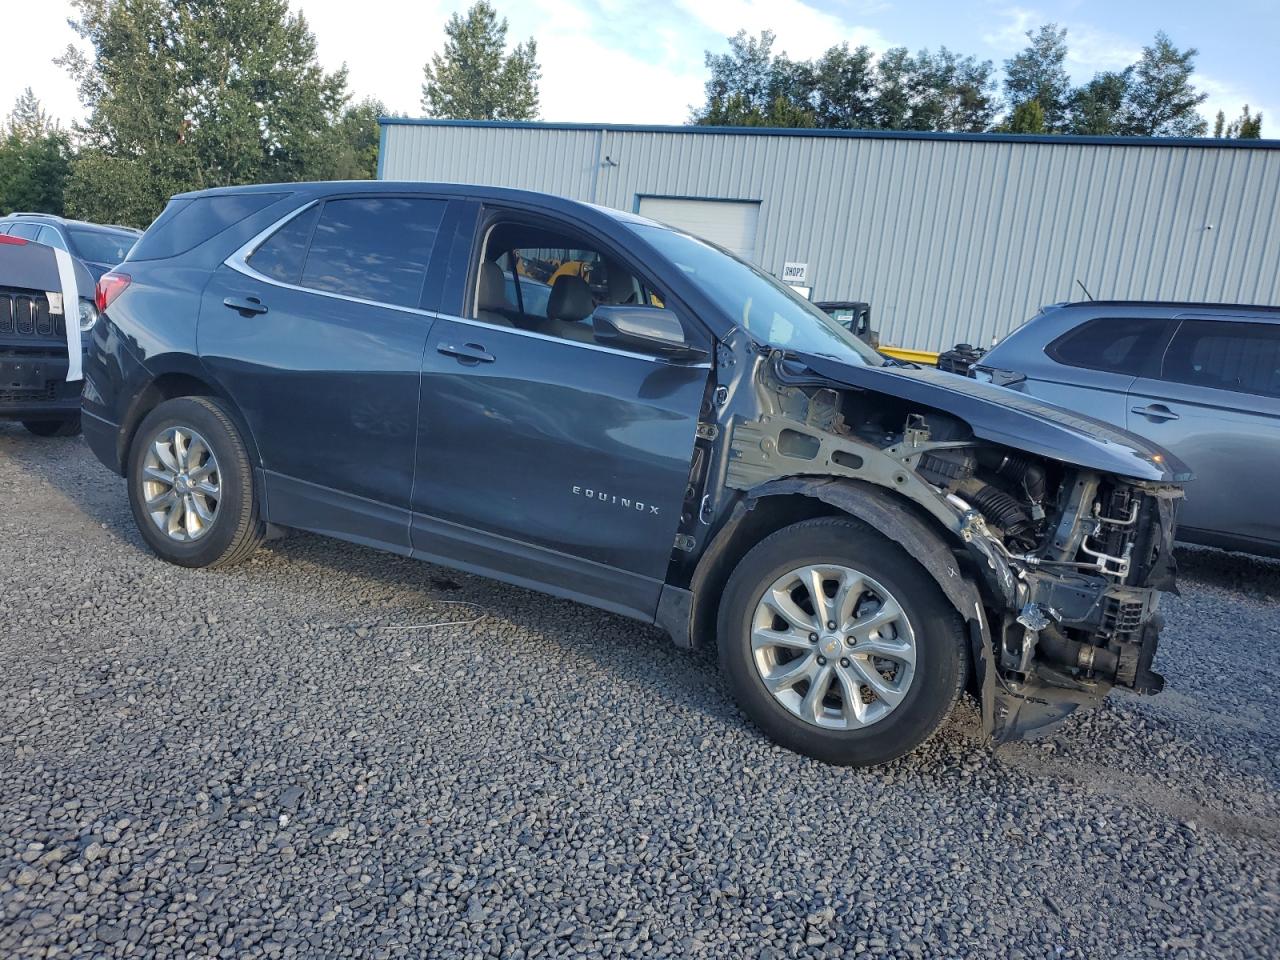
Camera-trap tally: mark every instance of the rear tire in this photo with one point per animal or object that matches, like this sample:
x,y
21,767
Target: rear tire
x,y
889,658
191,485
54,428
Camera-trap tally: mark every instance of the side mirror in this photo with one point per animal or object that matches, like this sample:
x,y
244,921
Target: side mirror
x,y
647,329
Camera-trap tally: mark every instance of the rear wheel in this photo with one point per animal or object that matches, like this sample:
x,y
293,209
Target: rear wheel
x,y
191,485
68,427
838,645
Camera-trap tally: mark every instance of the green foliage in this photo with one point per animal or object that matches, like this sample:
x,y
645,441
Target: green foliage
x,y
1039,73
842,89
1161,101
1027,117
187,94
35,159
356,136
1096,107
475,78
1245,127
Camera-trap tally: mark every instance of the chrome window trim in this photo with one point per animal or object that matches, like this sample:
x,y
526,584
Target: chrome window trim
x,y
533,334
239,261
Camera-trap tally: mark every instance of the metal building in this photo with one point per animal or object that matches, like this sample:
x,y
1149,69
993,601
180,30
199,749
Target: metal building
x,y
950,237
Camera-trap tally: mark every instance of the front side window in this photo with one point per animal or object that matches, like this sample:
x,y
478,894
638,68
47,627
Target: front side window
x,y
1124,345
550,282
28,231
766,307
374,248
1225,355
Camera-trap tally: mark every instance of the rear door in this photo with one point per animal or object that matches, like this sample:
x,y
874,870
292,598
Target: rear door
x,y
316,330
1216,404
545,458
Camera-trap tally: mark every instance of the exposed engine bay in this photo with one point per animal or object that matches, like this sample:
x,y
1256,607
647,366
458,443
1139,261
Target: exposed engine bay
x,y
1067,561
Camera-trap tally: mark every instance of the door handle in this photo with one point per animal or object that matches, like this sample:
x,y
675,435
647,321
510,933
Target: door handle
x,y
245,306
466,353
1157,411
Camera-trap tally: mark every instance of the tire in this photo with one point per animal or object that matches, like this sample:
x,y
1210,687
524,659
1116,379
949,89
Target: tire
x,y
228,527
921,674
54,428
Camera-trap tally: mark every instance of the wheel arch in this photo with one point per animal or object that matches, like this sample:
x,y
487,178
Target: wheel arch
x,y
779,503
170,385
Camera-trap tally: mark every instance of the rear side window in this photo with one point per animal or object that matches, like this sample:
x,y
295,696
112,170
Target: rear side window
x,y
281,257
28,231
1226,355
1126,345
374,248
188,221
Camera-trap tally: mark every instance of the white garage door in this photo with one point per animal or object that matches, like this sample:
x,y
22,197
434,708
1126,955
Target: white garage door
x,y
730,223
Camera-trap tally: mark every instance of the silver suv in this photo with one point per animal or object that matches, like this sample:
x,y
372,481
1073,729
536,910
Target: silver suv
x,y
1201,380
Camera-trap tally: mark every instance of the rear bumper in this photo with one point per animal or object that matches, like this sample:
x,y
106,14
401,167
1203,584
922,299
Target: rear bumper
x,y
103,438
34,386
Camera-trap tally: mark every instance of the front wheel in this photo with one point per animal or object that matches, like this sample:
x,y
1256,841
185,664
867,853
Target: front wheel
x,y
191,485
838,645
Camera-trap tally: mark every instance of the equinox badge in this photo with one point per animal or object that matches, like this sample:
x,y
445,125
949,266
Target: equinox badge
x,y
614,499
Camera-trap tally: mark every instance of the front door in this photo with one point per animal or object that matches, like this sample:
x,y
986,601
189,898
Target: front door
x,y
546,458
317,334
1216,405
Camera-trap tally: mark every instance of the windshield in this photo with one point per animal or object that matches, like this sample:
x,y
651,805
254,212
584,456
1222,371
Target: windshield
x,y
102,246
770,311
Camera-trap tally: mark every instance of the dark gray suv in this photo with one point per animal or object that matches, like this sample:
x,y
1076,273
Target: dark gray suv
x,y
1202,380
584,402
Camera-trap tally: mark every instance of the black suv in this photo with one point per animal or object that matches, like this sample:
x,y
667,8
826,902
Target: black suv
x,y
591,404
39,381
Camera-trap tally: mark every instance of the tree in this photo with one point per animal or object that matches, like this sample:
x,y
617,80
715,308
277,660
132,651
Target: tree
x,y
187,94
846,89
1161,101
1246,127
475,78
34,159
751,87
1038,73
1027,117
357,136
940,92
1096,106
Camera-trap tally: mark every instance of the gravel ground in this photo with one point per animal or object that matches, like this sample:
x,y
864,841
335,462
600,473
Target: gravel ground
x,y
266,761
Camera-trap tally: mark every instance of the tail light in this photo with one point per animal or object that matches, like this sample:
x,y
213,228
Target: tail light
x,y
17,241
110,286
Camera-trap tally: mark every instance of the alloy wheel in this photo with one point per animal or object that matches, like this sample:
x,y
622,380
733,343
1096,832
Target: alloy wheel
x,y
181,484
833,646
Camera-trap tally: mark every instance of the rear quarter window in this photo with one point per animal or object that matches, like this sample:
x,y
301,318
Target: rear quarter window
x,y
188,221
1124,345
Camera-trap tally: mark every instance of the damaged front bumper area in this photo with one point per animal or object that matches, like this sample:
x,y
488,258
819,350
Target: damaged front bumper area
x,y
1081,615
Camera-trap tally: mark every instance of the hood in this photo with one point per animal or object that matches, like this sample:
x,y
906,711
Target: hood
x,y
1014,420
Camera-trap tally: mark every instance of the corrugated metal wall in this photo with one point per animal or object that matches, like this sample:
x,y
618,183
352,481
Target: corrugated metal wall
x,y
949,239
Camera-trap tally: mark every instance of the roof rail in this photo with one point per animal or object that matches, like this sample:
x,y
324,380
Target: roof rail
x,y
32,213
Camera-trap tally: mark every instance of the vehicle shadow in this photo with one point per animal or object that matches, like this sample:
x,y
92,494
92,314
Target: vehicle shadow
x,y
627,651
1229,570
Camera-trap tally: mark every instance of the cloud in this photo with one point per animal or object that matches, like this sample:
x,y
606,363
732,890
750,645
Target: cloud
x,y
1230,99
802,30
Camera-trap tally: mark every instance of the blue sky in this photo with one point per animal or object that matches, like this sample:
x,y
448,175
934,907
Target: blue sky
x,y
627,62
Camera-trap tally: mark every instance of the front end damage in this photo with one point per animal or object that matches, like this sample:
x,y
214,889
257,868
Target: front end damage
x,y
1064,561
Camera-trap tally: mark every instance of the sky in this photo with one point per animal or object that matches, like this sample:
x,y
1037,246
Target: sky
x,y
642,62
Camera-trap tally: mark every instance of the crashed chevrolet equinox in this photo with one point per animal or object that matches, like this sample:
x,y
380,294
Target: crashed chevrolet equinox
x,y
587,403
